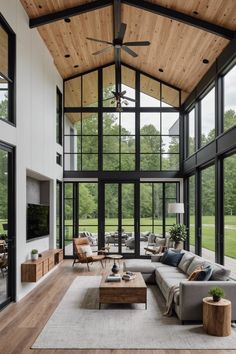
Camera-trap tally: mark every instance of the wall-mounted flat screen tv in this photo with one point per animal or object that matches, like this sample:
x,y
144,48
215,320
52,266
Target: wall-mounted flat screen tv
x,y
37,221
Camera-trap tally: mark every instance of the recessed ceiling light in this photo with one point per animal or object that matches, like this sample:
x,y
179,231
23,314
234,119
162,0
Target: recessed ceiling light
x,y
76,66
161,70
67,55
195,13
205,61
68,20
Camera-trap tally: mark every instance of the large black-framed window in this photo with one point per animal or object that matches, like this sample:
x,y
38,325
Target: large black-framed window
x,y
154,200
80,213
59,121
7,224
229,100
118,213
123,142
59,209
7,72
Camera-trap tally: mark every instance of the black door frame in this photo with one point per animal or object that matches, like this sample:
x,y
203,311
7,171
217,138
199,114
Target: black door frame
x,y
11,282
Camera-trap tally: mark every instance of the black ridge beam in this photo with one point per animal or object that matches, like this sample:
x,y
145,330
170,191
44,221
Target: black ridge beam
x,y
181,17
73,11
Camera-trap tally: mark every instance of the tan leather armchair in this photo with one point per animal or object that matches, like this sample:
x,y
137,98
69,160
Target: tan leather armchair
x,y
83,252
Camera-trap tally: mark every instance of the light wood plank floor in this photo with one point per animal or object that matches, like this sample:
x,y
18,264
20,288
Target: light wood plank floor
x,y
22,322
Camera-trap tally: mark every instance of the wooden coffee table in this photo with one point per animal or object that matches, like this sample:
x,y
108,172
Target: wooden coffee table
x,y
123,292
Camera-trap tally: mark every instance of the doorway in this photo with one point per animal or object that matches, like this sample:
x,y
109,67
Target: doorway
x,y
7,226
120,210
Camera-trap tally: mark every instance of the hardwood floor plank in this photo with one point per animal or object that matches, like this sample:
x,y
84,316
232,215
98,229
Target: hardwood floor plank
x,y
21,323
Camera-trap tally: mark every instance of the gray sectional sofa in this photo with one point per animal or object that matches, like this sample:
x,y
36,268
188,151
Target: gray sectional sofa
x,y
187,302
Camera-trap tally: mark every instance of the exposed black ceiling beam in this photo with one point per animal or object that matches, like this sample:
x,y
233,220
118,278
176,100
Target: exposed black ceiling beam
x,y
117,51
181,17
73,11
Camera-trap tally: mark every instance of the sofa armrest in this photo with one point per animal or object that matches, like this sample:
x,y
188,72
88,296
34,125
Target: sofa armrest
x,y
192,293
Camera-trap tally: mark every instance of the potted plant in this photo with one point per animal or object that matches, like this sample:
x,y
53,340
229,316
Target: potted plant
x,y
216,293
178,234
34,254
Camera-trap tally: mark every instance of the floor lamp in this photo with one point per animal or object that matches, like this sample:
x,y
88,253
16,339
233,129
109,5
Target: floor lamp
x,y
176,208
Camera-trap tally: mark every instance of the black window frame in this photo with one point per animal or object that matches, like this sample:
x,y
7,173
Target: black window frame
x,y
11,76
59,117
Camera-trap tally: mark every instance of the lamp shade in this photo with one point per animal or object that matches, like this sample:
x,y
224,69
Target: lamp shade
x,y
176,208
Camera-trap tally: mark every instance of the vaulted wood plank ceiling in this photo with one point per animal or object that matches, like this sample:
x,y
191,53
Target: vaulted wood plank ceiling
x,y
176,48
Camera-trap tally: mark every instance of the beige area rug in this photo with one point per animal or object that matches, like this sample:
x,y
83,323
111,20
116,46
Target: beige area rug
x,y
77,323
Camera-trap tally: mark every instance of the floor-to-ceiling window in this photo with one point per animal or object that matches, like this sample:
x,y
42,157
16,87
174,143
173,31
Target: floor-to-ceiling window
x,y
59,214
208,211
230,212
7,225
192,224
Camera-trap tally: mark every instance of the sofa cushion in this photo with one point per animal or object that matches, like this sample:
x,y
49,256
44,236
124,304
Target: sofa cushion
x,y
185,261
139,265
196,261
86,249
172,258
220,273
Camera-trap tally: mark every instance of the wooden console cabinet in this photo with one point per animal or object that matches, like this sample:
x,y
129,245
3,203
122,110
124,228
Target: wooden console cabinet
x,y
32,271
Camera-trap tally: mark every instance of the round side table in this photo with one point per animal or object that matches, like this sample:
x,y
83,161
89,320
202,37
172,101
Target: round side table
x,y
217,317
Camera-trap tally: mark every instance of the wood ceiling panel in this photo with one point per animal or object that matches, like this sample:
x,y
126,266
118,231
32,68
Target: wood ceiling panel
x,y
219,12
176,48
35,8
64,38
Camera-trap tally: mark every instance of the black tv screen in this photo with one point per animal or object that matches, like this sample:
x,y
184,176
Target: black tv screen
x,y
37,221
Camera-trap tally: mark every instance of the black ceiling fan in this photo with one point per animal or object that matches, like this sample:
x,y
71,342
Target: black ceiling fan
x,y
118,43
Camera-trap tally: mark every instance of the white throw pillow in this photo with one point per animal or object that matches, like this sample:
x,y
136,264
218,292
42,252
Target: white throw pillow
x,y
86,249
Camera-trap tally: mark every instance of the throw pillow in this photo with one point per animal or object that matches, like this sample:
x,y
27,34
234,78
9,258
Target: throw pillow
x,y
195,273
204,274
220,273
185,262
197,261
171,258
86,249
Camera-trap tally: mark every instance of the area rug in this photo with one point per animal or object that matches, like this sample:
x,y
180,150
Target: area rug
x,y
77,323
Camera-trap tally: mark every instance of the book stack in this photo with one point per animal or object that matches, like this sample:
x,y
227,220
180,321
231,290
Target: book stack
x,y
113,278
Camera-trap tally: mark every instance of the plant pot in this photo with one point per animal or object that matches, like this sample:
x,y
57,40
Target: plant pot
x,y
216,298
34,257
178,245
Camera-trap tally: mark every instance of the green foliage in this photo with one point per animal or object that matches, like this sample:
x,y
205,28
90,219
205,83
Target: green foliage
x,y
178,233
216,292
34,251
4,107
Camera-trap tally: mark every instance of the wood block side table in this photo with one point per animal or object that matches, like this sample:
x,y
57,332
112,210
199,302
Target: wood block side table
x,y
217,317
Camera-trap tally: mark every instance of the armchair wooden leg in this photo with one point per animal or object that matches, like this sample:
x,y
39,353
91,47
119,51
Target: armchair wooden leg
x,y
88,267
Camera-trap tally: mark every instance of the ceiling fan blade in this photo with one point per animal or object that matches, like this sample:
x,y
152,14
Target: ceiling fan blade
x,y
129,51
107,99
121,32
102,50
128,98
98,40
122,93
138,43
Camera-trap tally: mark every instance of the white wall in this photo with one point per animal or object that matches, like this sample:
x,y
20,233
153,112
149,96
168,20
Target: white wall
x,y
35,133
